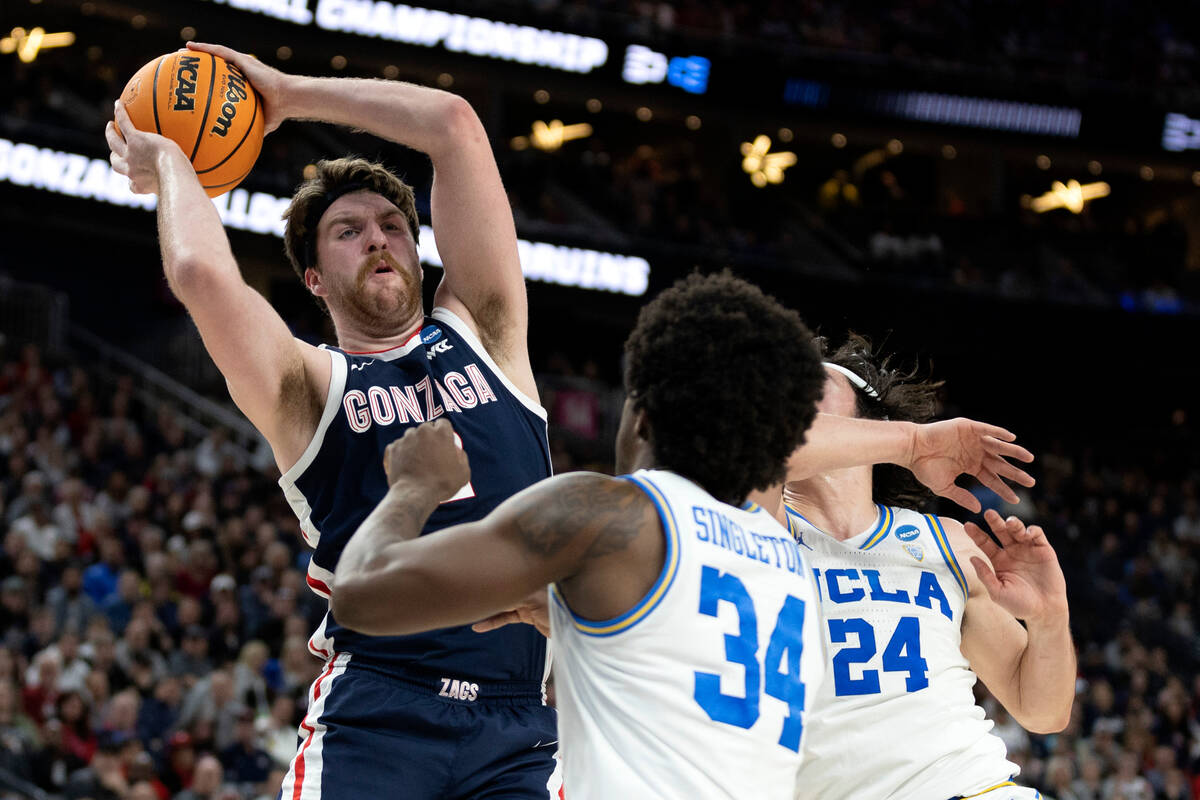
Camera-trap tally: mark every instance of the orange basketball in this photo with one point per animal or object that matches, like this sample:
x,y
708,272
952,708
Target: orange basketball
x,y
207,107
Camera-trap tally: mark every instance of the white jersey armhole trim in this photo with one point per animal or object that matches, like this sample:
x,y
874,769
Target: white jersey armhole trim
x,y
662,584
460,327
943,545
333,401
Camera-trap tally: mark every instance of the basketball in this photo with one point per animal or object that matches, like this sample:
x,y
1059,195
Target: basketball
x,y
207,107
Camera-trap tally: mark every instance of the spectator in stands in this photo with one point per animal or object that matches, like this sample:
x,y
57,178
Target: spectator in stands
x,y
277,731
100,579
77,735
246,763
19,741
104,777
191,662
206,783
160,712
71,606
33,488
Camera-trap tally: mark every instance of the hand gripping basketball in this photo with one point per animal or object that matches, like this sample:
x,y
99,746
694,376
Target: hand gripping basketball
x,y
136,154
205,105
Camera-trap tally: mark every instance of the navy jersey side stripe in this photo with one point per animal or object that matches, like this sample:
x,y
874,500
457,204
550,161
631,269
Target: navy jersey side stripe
x,y
287,481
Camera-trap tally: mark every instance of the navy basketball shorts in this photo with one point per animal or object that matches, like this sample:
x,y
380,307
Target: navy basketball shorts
x,y
369,734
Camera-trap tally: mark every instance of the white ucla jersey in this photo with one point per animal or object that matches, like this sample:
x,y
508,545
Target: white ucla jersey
x,y
700,690
896,717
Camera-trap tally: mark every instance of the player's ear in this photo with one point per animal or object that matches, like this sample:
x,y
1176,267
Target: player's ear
x,y
312,279
641,425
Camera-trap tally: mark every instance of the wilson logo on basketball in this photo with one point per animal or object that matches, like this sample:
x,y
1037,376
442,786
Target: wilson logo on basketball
x,y
235,93
186,76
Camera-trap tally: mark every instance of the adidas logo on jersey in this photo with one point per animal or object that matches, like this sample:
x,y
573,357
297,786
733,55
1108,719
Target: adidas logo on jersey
x,y
459,690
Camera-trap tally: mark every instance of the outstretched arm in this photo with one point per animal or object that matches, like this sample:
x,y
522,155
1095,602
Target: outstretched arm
x,y
472,221
276,380
588,529
1031,668
936,453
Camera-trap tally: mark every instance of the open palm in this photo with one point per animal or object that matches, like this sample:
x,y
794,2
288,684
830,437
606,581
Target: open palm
x,y
944,450
1024,577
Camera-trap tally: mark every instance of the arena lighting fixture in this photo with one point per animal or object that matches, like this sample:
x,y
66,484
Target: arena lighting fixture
x,y
84,178
761,164
1071,196
551,136
27,44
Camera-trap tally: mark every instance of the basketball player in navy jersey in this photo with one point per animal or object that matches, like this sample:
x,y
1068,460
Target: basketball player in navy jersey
x,y
381,722
915,608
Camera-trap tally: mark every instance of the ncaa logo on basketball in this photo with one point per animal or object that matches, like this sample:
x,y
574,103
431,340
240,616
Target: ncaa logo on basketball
x,y
916,551
906,533
430,334
186,75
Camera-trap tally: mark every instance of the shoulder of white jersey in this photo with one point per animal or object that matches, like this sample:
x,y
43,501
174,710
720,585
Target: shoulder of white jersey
x,y
662,585
942,541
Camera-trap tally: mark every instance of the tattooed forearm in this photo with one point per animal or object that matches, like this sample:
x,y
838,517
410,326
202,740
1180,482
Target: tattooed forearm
x,y
604,512
399,516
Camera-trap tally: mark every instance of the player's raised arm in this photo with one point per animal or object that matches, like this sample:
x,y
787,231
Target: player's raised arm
x,y
271,376
936,453
472,221
1030,668
390,582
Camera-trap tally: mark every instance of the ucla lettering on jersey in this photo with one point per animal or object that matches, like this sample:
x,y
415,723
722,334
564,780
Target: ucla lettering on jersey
x,y
442,370
703,688
896,717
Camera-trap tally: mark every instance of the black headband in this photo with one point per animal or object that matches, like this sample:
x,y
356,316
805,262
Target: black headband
x,y
317,210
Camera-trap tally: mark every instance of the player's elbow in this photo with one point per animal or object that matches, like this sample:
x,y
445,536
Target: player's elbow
x,y
372,603
1052,718
460,124
192,277
352,602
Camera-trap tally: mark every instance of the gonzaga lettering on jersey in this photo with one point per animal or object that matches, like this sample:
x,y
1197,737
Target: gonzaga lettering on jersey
x,y
702,689
896,717
373,397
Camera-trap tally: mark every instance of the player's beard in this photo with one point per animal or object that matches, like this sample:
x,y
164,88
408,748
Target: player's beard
x,y
380,312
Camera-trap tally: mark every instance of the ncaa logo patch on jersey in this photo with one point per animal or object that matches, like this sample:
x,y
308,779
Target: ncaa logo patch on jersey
x,y
430,334
906,533
916,551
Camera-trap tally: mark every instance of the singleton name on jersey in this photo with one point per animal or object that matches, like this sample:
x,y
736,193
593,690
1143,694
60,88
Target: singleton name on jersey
x,y
717,529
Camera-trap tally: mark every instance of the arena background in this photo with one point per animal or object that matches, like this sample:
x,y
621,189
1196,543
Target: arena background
x,y
147,550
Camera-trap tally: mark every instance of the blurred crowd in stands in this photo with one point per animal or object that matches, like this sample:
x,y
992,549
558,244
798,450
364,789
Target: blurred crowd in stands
x,y
152,600
155,615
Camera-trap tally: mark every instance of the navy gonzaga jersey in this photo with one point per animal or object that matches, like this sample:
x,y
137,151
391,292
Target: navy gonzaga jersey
x,y
373,398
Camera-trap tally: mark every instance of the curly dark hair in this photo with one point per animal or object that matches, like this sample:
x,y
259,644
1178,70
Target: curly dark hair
x,y
331,179
729,380
903,395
